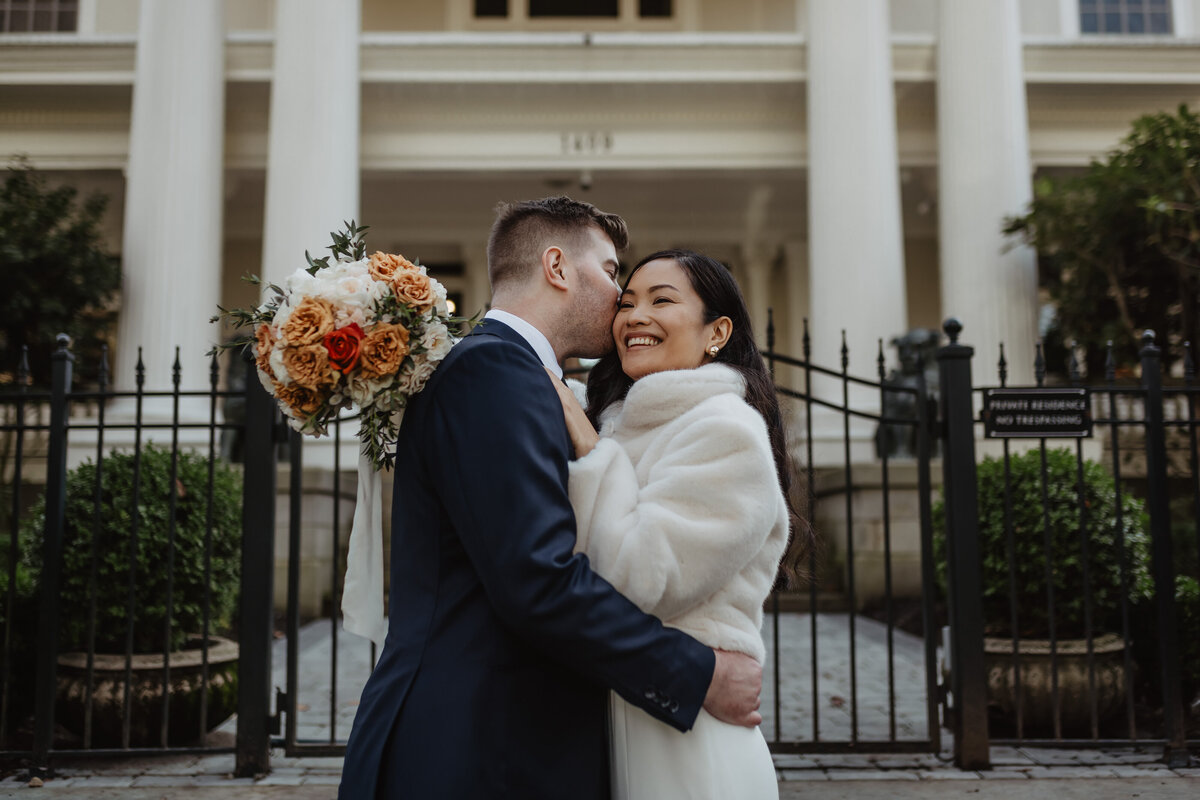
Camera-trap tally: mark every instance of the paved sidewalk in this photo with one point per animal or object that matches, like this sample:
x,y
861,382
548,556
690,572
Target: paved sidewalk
x,y
1024,773
327,710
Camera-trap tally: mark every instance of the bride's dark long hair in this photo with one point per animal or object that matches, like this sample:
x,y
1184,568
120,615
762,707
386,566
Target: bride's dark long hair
x,y
721,296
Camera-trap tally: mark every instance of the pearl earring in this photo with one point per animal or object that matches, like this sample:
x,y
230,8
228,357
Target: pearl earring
x,y
712,351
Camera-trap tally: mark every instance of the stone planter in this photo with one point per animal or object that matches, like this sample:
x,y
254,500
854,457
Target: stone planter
x,y
108,694
1037,698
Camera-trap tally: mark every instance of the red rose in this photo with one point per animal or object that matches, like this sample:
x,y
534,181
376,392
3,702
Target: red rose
x,y
342,346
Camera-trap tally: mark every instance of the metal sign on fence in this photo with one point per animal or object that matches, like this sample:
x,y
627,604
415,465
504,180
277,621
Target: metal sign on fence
x,y
1037,413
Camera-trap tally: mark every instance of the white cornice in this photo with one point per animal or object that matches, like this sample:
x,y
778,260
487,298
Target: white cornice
x,y
600,58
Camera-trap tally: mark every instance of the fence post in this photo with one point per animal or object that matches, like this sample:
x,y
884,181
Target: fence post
x,y
1176,754
256,611
56,507
968,675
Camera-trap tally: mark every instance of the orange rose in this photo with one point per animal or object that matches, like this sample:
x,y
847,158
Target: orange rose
x,y
414,289
309,366
309,322
264,342
303,402
384,266
383,350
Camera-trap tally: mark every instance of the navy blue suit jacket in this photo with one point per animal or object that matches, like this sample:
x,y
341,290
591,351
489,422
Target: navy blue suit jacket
x,y
501,643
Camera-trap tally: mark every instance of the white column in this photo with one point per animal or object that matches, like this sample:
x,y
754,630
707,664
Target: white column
x,y
757,261
795,259
983,176
312,163
171,250
856,256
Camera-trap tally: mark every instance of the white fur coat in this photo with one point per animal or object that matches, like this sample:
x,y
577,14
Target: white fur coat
x,y
679,506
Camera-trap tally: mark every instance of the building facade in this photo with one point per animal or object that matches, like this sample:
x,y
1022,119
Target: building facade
x,y
851,160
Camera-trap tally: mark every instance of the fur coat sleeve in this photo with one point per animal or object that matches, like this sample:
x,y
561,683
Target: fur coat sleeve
x,y
690,517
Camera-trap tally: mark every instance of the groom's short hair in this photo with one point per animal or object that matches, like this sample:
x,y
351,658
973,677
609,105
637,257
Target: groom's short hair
x,y
524,230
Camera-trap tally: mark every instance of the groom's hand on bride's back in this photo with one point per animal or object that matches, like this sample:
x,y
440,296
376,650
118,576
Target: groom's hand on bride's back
x,y
733,694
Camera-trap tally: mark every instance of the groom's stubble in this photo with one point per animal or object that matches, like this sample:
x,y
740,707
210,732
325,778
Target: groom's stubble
x,y
590,314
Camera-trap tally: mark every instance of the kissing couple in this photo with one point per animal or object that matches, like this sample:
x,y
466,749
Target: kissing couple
x,y
577,593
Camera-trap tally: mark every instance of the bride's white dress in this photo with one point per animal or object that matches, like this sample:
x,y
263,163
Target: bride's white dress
x,y
713,761
679,507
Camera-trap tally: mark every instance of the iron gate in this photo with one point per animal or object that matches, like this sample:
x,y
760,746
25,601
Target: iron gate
x,y
884,695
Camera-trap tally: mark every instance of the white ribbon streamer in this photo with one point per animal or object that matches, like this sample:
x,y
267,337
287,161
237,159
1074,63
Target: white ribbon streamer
x,y
362,591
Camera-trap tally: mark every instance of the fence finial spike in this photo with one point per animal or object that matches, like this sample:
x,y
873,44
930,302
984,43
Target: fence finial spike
x,y
176,369
845,352
881,361
214,370
1189,364
1073,363
1110,364
953,328
140,369
770,329
1039,365
1002,366
807,341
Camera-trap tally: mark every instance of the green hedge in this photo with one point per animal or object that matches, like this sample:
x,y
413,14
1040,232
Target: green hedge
x,y
111,528
1066,552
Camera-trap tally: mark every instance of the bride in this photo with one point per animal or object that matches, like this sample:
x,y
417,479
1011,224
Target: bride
x,y
680,503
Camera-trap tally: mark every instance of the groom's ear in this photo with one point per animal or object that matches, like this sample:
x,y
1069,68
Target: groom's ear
x,y
554,263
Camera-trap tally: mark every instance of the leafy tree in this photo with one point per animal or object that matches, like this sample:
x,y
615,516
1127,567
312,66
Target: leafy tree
x,y
57,275
1119,245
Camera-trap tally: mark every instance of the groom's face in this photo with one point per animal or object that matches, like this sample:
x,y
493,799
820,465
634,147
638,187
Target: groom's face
x,y
595,267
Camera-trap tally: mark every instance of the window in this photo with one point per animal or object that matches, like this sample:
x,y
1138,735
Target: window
x,y
566,9
1125,17
573,8
38,16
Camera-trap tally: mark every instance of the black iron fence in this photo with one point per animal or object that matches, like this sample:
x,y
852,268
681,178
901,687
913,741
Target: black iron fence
x,y
121,570
1069,578
856,693
844,674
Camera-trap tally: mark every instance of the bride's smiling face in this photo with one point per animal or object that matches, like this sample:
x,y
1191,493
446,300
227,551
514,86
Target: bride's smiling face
x,y
660,322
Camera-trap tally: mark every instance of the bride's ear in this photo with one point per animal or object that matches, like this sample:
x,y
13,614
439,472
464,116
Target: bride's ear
x,y
719,332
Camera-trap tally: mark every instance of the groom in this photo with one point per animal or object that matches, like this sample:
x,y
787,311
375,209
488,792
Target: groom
x,y
502,644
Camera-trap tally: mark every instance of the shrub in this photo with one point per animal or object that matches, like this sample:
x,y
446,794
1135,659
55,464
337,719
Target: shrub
x,y
1066,553
110,531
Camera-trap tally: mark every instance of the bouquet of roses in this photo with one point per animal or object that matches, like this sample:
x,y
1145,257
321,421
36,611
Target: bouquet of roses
x,y
349,330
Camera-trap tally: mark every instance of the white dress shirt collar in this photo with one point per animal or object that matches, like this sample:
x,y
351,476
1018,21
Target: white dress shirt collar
x,y
537,340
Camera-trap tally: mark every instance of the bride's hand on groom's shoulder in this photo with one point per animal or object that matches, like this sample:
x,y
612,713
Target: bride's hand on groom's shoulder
x,y
579,427
733,695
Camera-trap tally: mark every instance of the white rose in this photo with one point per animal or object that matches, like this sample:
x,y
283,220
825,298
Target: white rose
x,y
343,315
362,391
265,379
277,367
439,297
436,341
413,377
